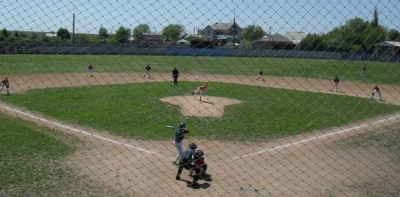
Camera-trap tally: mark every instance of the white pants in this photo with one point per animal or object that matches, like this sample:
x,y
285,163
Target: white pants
x,y
198,91
179,148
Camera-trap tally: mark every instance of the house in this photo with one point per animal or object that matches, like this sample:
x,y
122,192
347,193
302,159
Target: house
x,y
223,33
388,48
296,37
276,41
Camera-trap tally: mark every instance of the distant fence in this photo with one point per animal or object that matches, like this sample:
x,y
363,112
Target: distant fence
x,y
173,50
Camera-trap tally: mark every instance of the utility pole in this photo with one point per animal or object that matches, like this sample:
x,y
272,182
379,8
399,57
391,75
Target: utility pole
x,y
234,29
73,28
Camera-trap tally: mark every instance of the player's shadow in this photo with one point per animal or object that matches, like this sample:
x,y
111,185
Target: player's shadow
x,y
208,102
198,185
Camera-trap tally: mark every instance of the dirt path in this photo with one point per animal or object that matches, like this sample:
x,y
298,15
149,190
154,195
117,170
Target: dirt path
x,y
302,165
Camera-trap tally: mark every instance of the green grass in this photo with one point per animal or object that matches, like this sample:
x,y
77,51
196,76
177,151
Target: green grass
x,y
377,72
31,162
27,154
135,111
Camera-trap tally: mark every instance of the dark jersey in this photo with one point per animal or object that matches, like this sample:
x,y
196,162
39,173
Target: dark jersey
x,y
179,135
175,73
336,80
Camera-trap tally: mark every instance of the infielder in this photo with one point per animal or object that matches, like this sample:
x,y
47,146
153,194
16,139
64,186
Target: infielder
x,y
376,89
90,70
179,136
335,84
200,90
261,75
147,72
5,83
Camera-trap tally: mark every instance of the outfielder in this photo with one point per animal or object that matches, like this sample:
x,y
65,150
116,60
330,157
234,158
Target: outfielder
x,y
5,83
179,135
200,90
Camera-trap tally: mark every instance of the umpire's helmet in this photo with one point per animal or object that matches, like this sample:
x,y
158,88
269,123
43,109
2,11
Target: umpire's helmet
x,y
182,125
192,146
198,153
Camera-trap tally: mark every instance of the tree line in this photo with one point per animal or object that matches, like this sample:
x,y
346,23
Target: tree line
x,y
356,35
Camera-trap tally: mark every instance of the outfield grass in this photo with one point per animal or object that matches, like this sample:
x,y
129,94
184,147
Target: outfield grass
x,y
135,111
377,72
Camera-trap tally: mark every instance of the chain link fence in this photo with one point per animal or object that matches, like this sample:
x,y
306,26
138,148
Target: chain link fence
x,y
199,98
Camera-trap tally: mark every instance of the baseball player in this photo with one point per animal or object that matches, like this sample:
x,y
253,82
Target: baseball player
x,y
5,83
376,89
363,70
187,162
261,75
179,136
200,90
193,160
335,84
90,70
200,167
147,72
175,75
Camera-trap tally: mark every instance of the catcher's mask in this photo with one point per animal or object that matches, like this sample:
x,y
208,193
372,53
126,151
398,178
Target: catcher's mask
x,y
198,153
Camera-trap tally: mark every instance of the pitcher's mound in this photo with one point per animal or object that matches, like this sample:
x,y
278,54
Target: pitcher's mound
x,y
209,106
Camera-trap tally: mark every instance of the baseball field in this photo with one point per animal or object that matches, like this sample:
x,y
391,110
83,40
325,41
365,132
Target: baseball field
x,y
109,130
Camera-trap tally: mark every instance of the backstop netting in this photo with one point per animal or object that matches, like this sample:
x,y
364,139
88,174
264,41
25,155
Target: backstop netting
x,y
199,98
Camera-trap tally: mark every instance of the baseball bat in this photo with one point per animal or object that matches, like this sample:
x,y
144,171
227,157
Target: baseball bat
x,y
171,127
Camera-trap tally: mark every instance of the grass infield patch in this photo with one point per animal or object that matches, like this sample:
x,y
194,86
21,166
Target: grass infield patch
x,y
135,110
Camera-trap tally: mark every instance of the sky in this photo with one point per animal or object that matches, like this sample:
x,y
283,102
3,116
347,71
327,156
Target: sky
x,y
275,16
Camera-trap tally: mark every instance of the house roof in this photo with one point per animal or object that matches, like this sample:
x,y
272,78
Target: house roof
x,y
223,26
274,38
182,41
296,37
388,44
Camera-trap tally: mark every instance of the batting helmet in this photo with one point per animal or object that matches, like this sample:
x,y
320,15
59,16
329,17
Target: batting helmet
x,y
192,146
198,153
182,125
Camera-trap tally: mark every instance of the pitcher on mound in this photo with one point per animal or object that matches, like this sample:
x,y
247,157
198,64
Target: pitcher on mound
x,y
200,90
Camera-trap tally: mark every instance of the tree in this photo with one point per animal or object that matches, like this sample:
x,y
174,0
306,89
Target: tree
x,y
140,29
252,33
122,35
312,42
82,38
103,33
173,31
63,34
393,35
373,35
4,34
